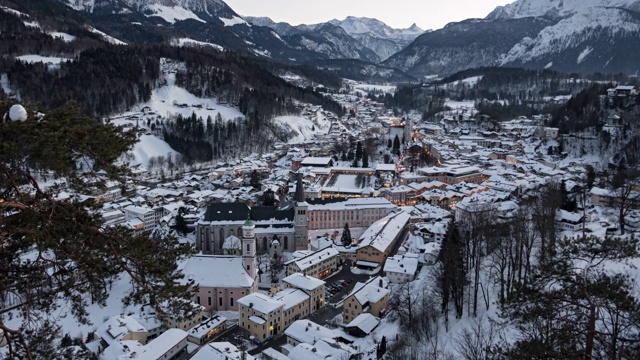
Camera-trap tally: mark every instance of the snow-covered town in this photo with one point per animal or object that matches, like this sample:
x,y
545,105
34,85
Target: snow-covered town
x,y
192,183
305,252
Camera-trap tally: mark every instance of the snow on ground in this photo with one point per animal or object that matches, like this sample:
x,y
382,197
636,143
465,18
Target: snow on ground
x,y
471,81
455,105
106,37
97,314
30,59
584,54
33,24
191,42
165,100
302,127
150,146
4,83
372,87
60,35
11,11
171,14
233,21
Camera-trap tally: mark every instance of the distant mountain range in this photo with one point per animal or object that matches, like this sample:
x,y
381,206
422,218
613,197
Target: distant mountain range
x,y
565,35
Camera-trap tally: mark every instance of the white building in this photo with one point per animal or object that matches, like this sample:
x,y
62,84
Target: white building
x,y
401,268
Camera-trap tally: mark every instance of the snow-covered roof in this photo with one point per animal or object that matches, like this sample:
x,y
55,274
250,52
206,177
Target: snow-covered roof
x,y
401,264
369,292
314,258
307,331
260,303
204,327
291,297
306,351
381,234
221,351
355,203
119,326
304,282
162,344
217,271
365,322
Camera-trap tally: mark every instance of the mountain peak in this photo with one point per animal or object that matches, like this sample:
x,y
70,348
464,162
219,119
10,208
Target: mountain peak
x,y
554,9
415,28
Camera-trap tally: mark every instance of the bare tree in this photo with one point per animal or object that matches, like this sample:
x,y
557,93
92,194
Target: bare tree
x,y
623,186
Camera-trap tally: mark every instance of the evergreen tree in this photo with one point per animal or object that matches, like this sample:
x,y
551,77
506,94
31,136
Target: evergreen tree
x,y
396,143
83,256
255,179
359,151
346,239
452,277
365,159
389,144
181,223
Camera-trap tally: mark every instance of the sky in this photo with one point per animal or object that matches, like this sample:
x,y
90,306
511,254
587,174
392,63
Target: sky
x,y
428,14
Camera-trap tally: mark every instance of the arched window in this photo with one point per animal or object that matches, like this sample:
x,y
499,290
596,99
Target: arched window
x,y
240,232
286,243
208,245
231,232
264,242
221,241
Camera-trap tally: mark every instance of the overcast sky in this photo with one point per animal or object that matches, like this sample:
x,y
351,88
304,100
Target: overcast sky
x,y
428,14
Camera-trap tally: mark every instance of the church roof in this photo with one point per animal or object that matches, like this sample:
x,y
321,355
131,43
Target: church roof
x,y
240,212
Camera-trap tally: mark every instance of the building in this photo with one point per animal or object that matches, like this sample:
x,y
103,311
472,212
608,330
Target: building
x,y
323,162
222,280
221,351
362,325
207,330
370,297
318,264
310,286
223,220
305,331
170,345
146,215
357,212
375,245
401,268
267,316
568,221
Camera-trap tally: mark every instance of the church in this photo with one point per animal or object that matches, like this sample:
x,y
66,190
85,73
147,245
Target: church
x,y
222,280
219,230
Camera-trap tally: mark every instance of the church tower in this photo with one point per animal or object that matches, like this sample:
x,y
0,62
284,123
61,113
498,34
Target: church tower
x,y
301,221
249,251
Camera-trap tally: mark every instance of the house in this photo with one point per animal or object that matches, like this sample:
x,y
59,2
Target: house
x,y
207,330
170,345
311,286
306,331
378,240
146,215
362,325
121,328
221,351
568,221
401,268
323,162
369,297
318,264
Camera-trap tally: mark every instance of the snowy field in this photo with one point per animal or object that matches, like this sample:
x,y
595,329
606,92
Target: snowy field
x,y
460,105
60,35
30,59
171,14
191,42
304,128
165,100
471,81
372,87
150,146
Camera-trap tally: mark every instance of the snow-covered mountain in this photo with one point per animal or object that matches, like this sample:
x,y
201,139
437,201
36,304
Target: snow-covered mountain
x,y
378,36
566,35
555,8
373,34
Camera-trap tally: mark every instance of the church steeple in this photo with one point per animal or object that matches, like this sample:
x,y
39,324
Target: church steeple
x,y
249,249
299,189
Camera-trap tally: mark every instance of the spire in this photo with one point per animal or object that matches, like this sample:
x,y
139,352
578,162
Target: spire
x,y
299,189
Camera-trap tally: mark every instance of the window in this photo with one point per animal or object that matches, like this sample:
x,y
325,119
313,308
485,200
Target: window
x,y
220,301
248,248
209,300
231,301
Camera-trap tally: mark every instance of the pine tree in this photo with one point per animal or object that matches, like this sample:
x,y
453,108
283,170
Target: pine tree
x,y
359,151
365,159
181,223
396,143
346,239
83,256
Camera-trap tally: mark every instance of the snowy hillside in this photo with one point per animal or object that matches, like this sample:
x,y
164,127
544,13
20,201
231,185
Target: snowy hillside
x,y
554,8
150,146
571,32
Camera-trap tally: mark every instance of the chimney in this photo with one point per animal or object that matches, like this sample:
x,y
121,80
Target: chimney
x,y
380,282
